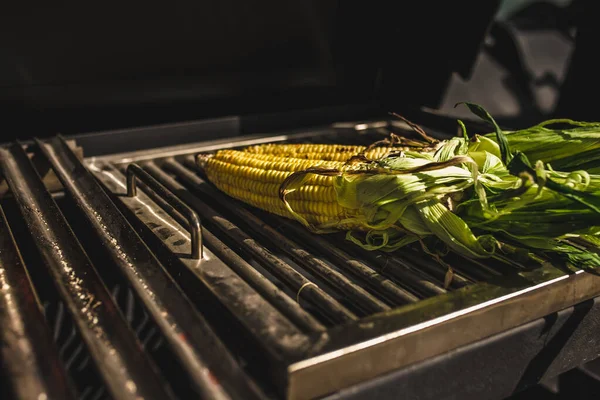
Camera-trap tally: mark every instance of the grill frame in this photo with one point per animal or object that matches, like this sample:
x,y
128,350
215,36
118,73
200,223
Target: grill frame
x,y
379,344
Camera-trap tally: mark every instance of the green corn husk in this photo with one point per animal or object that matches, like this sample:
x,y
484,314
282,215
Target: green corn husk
x,y
480,197
568,145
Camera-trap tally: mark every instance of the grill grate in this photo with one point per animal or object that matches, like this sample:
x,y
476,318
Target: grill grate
x,y
270,310
276,234
109,338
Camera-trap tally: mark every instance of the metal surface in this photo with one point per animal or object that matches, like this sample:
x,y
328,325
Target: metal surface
x,y
499,366
30,361
377,278
350,127
190,337
407,336
126,370
178,150
482,301
193,221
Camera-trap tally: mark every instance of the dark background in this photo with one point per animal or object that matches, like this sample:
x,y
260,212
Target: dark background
x,y
74,66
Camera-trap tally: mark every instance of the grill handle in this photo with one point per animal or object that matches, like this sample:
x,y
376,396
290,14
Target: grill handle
x,y
135,171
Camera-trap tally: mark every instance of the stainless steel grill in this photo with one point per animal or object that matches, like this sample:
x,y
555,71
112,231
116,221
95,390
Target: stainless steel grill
x,y
164,287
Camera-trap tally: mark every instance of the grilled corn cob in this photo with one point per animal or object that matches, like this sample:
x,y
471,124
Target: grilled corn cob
x,y
256,179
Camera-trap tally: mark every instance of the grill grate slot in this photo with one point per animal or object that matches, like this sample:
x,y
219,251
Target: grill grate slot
x,y
402,281
426,266
416,285
479,272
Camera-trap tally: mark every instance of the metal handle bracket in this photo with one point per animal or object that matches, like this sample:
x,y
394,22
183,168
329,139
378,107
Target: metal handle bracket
x,y
135,171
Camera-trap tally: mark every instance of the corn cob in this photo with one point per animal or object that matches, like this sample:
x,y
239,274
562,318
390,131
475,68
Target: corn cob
x,y
256,180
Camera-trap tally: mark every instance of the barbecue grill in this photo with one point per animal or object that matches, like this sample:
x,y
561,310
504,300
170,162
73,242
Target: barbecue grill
x,y
125,274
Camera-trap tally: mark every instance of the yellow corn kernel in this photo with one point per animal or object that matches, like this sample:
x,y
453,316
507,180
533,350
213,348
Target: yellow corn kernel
x,y
283,162
325,152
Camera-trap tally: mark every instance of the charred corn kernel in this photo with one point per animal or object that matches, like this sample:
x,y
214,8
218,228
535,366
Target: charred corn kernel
x,y
256,179
326,152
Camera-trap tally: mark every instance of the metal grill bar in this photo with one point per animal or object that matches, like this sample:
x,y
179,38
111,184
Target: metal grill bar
x,y
430,267
402,270
356,266
189,335
126,370
275,265
30,359
266,288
